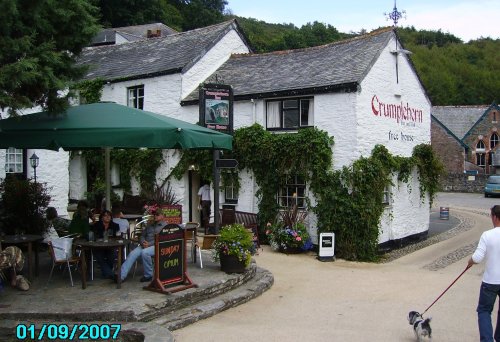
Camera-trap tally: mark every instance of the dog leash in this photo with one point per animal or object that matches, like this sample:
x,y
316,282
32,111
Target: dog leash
x,y
468,266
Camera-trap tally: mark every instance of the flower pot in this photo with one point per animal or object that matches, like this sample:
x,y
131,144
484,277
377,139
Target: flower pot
x,y
291,250
231,264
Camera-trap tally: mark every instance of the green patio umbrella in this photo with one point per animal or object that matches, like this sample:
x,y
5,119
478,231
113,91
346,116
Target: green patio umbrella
x,y
107,125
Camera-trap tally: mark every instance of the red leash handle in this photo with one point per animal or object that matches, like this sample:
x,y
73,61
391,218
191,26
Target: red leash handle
x,y
468,266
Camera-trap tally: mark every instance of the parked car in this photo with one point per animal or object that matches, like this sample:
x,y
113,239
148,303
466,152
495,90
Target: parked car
x,y
492,187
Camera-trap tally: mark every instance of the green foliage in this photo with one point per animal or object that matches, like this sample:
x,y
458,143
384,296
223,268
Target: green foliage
x,y
307,153
285,237
430,169
236,240
39,43
141,164
454,73
90,90
202,160
178,14
345,198
24,203
98,192
161,195
266,37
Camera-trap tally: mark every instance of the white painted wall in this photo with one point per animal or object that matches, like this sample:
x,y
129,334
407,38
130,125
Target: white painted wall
x,y
346,116
231,43
408,214
52,170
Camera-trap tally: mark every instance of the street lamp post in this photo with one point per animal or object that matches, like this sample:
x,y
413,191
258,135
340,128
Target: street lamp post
x,y
34,161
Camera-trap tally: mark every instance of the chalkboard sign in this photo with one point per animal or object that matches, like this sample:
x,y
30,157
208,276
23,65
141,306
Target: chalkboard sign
x,y
170,261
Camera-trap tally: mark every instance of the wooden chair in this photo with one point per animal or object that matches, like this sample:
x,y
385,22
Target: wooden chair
x,y
62,254
192,239
228,216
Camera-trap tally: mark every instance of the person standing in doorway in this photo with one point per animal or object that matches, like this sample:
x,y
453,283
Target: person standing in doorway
x,y
205,203
488,249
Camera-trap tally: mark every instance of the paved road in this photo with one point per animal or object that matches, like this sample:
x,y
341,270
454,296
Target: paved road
x,y
352,301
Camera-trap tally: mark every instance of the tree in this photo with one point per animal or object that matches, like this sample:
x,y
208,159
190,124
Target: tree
x,y
39,43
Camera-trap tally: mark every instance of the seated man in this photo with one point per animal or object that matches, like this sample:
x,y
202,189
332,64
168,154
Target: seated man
x,y
11,262
123,223
146,249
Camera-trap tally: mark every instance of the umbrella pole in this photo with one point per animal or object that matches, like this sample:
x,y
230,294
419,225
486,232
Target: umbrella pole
x,y
107,172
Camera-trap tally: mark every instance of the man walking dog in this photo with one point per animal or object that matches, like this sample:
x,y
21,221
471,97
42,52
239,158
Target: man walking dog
x,y
488,249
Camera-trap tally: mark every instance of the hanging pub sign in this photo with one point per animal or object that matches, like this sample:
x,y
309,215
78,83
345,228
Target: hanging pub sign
x,y
170,261
216,107
172,213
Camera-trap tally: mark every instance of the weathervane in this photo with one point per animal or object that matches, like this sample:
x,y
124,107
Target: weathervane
x,y
395,15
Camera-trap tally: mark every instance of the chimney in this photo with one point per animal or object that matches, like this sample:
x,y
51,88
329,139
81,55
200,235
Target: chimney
x,y
154,33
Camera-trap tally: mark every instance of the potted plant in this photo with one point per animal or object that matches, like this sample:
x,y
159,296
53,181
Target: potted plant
x,y
289,234
233,247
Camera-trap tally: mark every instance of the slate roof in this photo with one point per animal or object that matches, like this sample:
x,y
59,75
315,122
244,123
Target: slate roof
x,y
131,33
458,119
318,69
153,56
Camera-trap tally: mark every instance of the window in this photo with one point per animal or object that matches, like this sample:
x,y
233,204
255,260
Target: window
x,y
14,160
386,195
289,113
480,145
480,159
231,193
136,97
493,140
292,192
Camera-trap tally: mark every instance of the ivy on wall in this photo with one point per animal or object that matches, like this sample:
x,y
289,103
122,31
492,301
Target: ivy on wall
x,y
349,200
90,91
141,164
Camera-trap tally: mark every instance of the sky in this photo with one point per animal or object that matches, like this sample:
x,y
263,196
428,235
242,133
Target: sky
x,y
465,19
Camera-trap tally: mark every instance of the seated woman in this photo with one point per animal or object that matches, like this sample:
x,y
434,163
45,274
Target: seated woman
x,y
11,263
105,257
80,223
50,233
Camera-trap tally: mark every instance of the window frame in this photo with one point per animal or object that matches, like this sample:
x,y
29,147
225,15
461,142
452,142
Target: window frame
x,y
481,159
292,191
231,193
134,97
304,104
386,196
494,139
19,160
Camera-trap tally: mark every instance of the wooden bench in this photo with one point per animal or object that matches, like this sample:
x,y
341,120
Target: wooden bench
x,y
249,220
132,204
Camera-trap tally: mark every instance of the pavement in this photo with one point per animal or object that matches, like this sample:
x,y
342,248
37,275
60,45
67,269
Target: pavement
x,y
151,316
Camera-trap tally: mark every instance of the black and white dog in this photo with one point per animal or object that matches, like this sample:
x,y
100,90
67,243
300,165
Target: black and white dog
x,y
421,326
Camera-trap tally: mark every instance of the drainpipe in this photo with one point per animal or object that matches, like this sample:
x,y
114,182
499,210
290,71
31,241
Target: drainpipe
x,y
254,117
254,114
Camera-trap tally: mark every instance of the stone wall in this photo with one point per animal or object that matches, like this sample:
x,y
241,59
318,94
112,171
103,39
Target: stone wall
x,y
449,150
461,182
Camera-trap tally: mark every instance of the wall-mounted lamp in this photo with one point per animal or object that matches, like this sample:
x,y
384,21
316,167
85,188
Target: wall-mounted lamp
x,y
34,161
